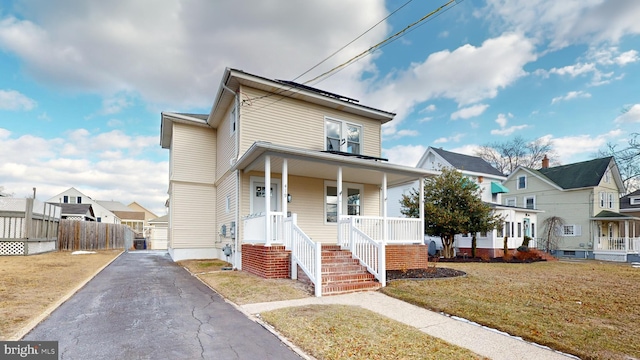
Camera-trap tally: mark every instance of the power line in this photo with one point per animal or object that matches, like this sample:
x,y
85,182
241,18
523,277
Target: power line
x,y
382,43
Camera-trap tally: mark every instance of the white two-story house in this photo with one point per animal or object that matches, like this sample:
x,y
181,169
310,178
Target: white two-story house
x,y
519,221
279,173
74,196
585,196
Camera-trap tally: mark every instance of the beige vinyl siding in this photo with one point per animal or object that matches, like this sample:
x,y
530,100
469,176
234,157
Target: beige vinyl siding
x,y
194,225
226,145
308,203
193,154
296,123
226,188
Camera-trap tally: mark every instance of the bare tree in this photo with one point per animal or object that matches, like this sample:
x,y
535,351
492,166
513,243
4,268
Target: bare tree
x,y
628,161
552,227
507,156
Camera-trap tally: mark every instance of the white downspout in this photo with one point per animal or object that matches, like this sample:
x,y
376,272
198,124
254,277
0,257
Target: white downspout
x,y
235,159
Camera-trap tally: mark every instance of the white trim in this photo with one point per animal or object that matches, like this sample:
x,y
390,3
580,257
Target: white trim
x,y
252,181
343,131
525,198
518,182
341,200
515,201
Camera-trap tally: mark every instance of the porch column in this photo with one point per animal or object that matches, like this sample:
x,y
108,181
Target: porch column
x,y
626,236
285,187
339,210
267,199
421,202
385,225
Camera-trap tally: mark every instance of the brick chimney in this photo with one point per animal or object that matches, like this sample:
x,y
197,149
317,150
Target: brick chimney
x,y
545,162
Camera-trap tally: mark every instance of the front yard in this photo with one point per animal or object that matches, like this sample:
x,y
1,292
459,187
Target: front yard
x,y
590,309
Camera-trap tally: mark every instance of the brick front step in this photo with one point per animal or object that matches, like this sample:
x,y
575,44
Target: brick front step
x,y
347,278
342,268
343,288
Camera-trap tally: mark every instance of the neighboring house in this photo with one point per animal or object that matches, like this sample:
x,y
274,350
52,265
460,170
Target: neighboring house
x,y
134,219
278,170
157,230
73,196
519,221
586,196
148,215
81,212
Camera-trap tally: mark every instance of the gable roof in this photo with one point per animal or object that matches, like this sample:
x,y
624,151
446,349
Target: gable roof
x,y
466,162
578,175
85,210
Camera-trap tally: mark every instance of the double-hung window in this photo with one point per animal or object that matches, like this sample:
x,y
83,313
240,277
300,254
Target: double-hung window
x,y
343,136
351,200
610,200
522,182
530,202
602,201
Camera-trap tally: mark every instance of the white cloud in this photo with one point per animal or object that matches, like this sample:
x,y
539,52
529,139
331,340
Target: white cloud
x,y
13,100
467,75
453,138
428,108
401,133
102,165
574,70
570,147
425,119
469,112
114,105
502,121
405,154
570,96
632,115
563,23
173,52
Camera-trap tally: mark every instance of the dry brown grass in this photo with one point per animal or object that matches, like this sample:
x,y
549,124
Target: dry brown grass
x,y
589,308
350,332
31,284
242,287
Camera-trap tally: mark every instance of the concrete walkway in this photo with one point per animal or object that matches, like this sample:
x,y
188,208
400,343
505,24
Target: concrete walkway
x,y
481,340
144,306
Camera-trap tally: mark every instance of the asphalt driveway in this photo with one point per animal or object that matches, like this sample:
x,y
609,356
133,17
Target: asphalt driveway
x,y
144,306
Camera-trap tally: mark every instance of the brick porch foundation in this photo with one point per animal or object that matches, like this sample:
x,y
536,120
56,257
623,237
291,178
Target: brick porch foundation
x,y
270,262
403,257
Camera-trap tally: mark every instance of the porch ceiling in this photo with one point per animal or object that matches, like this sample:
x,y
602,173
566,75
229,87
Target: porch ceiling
x,y
316,164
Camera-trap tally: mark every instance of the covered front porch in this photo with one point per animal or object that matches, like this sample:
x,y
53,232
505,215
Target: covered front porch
x,y
616,237
325,199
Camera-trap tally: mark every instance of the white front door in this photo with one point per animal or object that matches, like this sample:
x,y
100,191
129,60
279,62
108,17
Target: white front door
x,y
258,191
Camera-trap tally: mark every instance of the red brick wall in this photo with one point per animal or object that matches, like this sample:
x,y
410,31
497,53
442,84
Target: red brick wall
x,y
271,262
404,257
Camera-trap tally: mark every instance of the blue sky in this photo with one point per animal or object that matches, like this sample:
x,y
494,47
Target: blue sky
x,y
82,83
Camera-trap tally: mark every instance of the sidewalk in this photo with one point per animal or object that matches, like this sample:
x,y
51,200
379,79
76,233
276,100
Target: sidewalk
x,y
481,340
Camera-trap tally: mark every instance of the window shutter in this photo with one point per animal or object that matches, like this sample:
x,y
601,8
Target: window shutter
x,y
577,230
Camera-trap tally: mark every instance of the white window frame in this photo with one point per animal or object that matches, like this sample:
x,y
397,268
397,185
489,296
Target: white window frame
x,y
570,230
634,201
345,192
227,204
514,199
526,199
610,200
518,182
602,199
607,176
343,130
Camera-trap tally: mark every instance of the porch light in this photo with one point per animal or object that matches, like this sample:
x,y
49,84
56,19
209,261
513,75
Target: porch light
x,y
288,198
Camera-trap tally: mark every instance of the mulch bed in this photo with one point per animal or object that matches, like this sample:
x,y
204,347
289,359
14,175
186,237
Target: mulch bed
x,y
431,273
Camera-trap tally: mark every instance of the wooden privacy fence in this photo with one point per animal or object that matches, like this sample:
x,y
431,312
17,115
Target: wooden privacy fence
x,y
89,235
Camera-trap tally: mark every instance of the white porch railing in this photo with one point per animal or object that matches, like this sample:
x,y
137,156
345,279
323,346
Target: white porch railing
x,y
304,253
370,252
399,230
254,228
618,244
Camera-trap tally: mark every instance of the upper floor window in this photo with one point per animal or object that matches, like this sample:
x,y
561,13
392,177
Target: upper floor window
x,y
634,201
530,202
79,199
232,121
65,199
510,201
522,182
610,200
607,176
343,136
602,199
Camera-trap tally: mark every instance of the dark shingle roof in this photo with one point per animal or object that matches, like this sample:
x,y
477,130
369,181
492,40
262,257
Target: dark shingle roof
x,y
625,201
577,175
468,162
